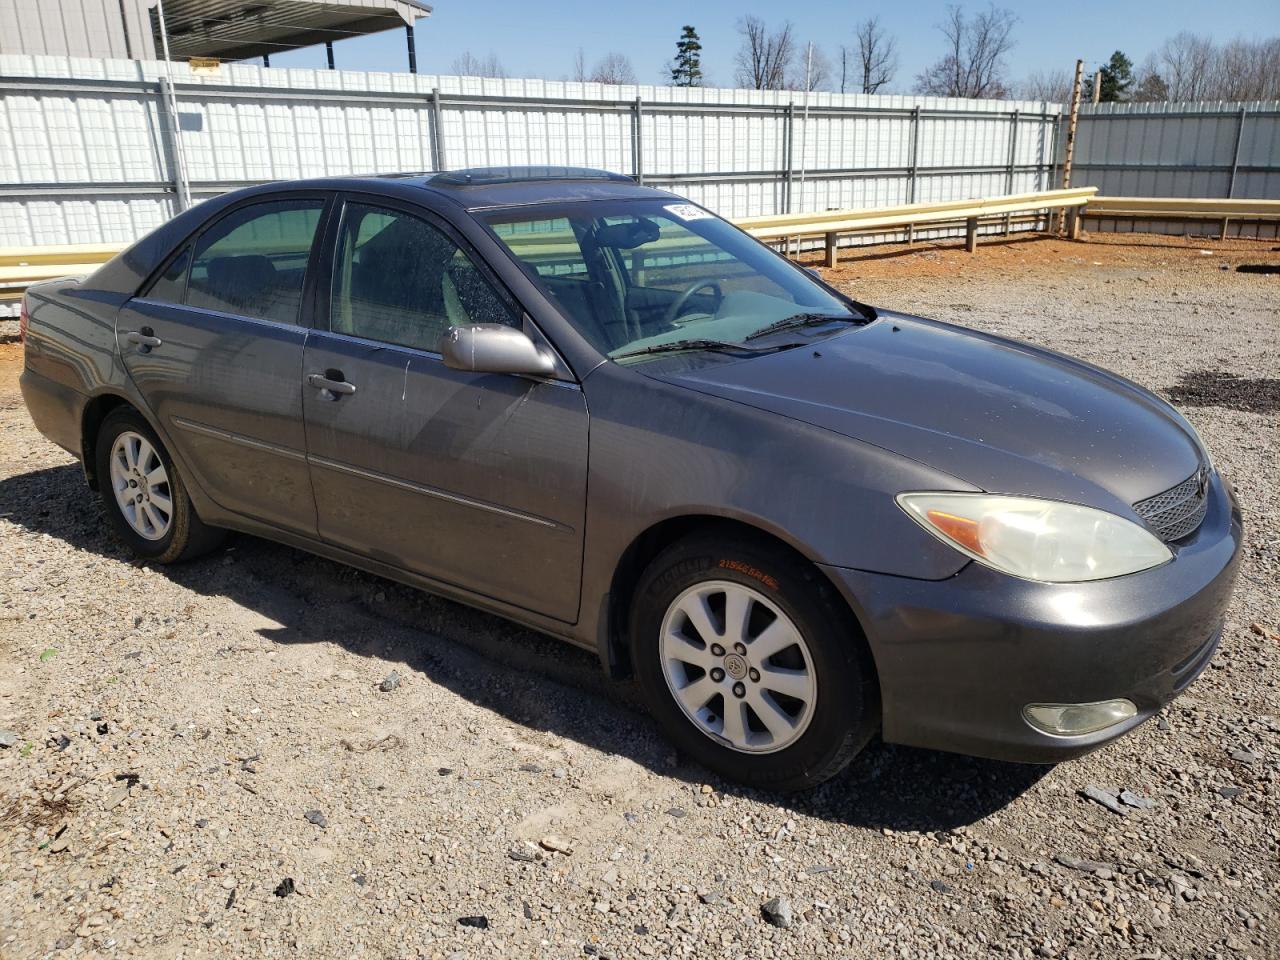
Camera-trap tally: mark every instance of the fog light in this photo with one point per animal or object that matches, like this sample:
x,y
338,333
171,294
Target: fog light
x,y
1076,719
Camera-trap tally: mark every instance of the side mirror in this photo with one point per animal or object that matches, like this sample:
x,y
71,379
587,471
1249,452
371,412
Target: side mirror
x,y
494,348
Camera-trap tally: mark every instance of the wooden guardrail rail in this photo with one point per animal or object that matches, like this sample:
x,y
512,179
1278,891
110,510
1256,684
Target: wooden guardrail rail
x,y
1183,208
835,223
22,266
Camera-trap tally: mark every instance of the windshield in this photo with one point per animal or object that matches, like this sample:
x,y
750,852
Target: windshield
x,y
642,277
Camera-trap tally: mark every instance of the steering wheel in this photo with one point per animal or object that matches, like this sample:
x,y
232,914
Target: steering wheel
x,y
680,302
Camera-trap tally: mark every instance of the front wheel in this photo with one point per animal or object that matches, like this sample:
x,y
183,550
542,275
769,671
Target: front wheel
x,y
751,664
143,493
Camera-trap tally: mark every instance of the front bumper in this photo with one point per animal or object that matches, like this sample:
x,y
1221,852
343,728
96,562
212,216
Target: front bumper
x,y
958,659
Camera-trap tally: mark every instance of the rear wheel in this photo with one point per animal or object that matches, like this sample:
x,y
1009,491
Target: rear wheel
x,y
751,664
143,493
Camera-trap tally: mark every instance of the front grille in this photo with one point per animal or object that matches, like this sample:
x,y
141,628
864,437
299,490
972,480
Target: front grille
x,y
1179,511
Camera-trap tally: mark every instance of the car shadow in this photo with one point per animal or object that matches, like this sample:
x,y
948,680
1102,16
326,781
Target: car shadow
x,y
533,680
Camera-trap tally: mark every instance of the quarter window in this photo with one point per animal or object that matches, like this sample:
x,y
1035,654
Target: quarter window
x,y
399,280
172,283
253,262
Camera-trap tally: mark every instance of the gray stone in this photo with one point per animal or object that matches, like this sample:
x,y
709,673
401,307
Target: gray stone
x,y
316,817
390,682
8,738
1108,800
778,912
1132,799
1103,870
117,796
1244,756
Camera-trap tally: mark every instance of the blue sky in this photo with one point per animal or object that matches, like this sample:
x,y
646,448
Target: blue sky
x,y
541,39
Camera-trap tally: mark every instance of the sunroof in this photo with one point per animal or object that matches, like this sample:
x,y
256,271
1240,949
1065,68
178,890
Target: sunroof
x,y
479,176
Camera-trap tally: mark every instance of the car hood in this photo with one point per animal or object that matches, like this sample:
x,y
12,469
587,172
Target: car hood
x,y
997,414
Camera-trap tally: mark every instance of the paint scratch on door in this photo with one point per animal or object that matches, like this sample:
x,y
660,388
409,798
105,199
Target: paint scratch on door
x,y
404,390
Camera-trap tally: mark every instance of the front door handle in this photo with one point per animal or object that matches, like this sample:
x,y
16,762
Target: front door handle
x,y
145,339
331,384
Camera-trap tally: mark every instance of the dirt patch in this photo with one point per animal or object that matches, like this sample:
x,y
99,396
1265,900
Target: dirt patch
x,y
1014,256
1216,388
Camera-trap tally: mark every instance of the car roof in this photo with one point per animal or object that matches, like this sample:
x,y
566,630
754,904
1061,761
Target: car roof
x,y
480,188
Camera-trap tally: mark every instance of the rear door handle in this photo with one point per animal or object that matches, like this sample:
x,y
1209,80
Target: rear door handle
x,y
331,384
144,339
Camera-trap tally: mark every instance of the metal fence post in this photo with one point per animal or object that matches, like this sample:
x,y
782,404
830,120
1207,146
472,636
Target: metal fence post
x,y
1235,156
169,106
913,163
437,130
787,137
637,141
1013,160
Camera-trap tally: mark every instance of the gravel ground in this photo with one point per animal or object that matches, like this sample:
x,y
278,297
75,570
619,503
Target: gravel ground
x,y
204,763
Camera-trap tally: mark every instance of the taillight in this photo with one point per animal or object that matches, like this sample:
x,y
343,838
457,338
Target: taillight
x,y
22,320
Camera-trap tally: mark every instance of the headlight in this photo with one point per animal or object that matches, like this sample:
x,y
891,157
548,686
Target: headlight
x,y
1037,539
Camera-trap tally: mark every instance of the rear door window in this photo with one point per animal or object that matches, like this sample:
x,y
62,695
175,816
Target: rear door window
x,y
253,262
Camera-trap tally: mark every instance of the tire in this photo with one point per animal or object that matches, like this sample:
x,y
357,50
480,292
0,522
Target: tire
x,y
162,536
811,736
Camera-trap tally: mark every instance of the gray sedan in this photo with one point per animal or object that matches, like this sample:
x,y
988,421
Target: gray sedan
x,y
602,411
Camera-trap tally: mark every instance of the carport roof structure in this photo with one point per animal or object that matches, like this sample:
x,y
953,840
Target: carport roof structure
x,y
240,29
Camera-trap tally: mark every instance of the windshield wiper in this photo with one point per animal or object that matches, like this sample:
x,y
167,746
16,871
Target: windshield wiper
x,y
723,346
798,320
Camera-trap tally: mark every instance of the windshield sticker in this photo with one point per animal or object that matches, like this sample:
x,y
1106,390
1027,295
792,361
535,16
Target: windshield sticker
x,y
686,211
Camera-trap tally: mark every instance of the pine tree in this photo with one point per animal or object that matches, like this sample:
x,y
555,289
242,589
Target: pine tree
x,y
686,68
1117,78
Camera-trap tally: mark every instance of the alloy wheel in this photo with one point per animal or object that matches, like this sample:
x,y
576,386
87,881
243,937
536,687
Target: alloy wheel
x,y
141,486
738,667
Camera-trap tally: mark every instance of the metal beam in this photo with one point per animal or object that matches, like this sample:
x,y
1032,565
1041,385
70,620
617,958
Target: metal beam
x,y
637,142
1235,157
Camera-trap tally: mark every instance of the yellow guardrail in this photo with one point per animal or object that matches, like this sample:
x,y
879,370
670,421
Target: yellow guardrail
x,y
22,266
1183,207
834,223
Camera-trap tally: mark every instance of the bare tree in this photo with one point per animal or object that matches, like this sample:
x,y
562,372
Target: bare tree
x,y
877,55
613,68
973,65
1051,86
579,67
1184,62
765,57
1192,67
469,65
